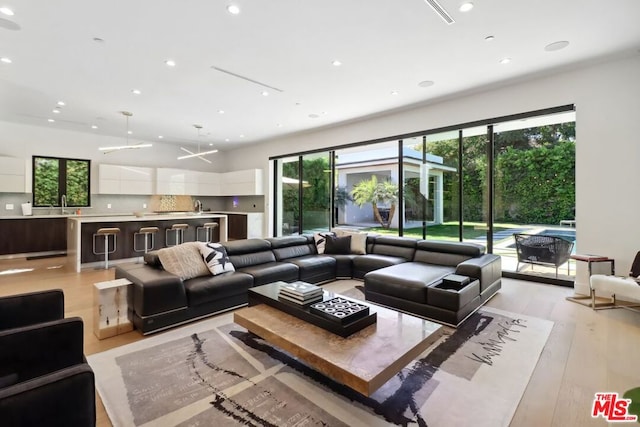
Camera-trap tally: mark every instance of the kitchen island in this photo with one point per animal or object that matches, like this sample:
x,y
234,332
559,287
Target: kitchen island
x,y
80,231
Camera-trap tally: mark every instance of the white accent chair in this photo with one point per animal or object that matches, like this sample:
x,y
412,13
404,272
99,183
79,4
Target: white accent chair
x,y
625,288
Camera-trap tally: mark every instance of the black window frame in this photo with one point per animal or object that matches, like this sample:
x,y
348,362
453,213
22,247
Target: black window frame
x,y
62,180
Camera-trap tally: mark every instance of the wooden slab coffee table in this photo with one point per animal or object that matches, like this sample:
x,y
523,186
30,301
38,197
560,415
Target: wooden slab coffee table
x,y
364,361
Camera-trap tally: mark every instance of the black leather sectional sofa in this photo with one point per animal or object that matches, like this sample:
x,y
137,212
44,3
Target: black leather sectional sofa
x,y
399,272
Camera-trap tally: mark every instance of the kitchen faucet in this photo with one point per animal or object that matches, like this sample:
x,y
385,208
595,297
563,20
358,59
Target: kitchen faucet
x,y
63,203
198,206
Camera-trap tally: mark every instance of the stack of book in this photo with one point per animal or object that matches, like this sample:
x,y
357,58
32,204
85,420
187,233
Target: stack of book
x,y
300,293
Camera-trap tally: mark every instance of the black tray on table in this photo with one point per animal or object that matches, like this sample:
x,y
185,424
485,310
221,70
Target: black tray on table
x,y
268,294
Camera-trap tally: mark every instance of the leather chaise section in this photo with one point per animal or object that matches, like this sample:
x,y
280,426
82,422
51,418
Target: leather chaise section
x,y
407,281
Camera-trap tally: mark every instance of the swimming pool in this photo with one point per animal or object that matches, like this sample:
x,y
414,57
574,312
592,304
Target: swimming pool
x,y
565,234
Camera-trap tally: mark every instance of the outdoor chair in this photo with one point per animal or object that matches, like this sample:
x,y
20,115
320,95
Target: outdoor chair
x,y
44,376
543,250
613,287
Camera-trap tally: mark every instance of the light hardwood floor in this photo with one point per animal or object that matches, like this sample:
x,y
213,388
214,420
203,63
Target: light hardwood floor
x,y
587,351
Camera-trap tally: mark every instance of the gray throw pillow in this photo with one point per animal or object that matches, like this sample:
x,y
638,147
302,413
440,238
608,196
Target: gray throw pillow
x,y
320,240
338,245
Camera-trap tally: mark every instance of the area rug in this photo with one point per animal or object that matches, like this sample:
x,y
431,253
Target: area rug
x,y
215,373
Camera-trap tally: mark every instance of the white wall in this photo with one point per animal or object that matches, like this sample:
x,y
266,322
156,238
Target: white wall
x,y
24,141
607,99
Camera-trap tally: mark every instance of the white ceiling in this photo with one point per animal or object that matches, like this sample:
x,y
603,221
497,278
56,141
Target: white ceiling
x,y
384,46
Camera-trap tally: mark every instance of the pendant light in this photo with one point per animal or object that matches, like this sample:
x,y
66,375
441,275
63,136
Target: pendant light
x,y
107,150
199,154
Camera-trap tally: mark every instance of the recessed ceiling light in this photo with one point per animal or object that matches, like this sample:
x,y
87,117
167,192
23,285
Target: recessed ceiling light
x,y
211,144
6,11
241,135
61,103
505,60
130,132
220,111
136,91
466,7
94,127
56,111
426,83
556,45
6,60
50,120
233,9
394,92
170,63
336,63
489,38
265,93
160,136
227,140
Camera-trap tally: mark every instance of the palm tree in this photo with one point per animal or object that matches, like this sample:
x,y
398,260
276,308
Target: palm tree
x,y
374,192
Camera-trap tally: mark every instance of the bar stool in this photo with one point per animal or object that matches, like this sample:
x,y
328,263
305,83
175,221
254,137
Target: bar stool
x,y
105,233
149,237
178,230
207,228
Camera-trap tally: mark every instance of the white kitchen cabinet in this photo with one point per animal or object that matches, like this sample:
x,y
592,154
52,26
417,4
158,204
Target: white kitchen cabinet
x,y
12,175
171,181
120,179
242,183
208,184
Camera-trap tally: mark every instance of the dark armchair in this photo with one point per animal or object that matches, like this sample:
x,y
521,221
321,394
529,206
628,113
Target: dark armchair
x,y
32,308
543,250
44,376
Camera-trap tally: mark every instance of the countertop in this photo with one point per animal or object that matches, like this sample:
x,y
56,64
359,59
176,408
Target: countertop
x,y
153,215
235,212
146,217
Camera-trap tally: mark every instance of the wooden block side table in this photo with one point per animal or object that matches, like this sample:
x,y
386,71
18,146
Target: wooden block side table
x,y
111,305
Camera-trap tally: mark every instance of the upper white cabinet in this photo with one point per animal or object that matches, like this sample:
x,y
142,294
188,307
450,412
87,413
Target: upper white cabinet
x,y
194,183
172,181
242,183
208,184
117,179
12,175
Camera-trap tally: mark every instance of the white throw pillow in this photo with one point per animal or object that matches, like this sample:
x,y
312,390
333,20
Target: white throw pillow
x,y
185,261
216,258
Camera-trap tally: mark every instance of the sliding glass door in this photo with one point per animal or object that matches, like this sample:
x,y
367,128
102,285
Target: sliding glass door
x,y
535,195
366,194
316,192
477,183
288,196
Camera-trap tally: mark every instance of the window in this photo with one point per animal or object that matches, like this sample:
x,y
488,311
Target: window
x,y
480,182
55,177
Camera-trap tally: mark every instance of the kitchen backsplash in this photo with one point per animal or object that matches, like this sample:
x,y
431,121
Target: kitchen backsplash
x,y
127,203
